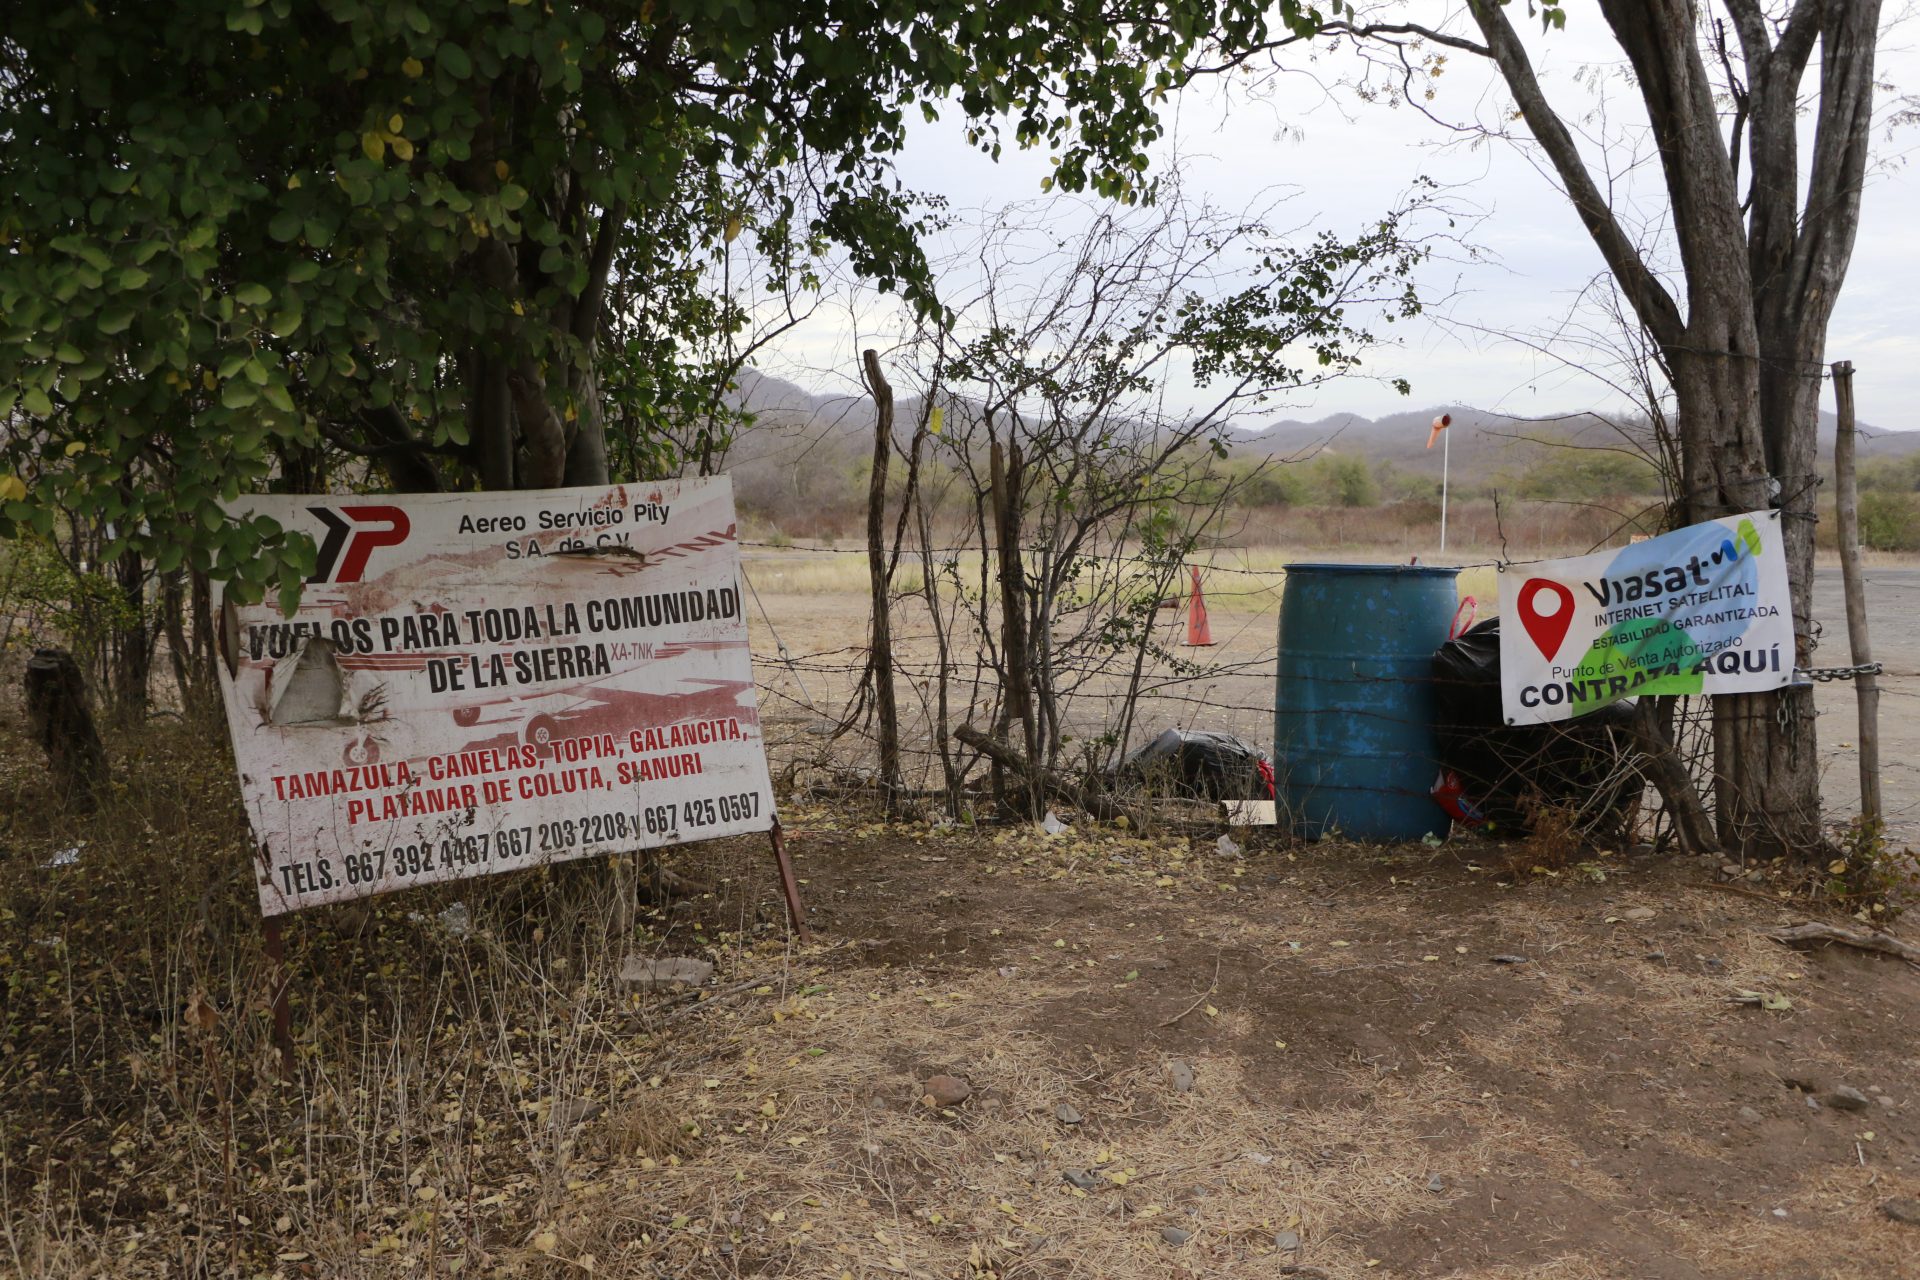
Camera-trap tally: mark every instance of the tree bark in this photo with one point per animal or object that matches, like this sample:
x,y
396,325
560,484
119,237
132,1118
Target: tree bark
x,y
132,643
492,423
587,451
880,650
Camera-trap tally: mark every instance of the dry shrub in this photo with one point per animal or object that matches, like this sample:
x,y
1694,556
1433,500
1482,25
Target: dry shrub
x,y
145,1129
1553,841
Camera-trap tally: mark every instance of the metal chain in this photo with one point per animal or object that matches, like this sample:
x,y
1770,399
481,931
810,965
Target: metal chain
x,y
1824,674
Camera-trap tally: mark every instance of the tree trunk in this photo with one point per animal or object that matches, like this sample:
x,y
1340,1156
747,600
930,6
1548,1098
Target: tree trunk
x,y
1762,274
1766,780
587,451
205,651
132,645
492,423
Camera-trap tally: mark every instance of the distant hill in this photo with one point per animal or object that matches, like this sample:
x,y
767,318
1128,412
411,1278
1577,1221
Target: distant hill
x,y
795,424
1484,443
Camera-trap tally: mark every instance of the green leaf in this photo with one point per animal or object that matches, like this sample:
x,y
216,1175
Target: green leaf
x,y
285,225
134,278
512,196
453,60
115,320
286,321
253,295
302,271
238,394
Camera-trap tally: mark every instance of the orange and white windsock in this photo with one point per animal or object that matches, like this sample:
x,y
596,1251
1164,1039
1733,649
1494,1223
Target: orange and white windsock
x,y
1440,424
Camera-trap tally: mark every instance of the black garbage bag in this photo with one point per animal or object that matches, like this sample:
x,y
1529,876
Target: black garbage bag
x,y
1202,765
1504,774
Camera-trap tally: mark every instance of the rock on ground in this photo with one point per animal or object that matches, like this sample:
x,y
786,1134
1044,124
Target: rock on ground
x,y
945,1091
648,972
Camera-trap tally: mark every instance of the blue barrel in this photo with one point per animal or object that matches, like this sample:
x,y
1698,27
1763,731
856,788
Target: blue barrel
x,y
1353,736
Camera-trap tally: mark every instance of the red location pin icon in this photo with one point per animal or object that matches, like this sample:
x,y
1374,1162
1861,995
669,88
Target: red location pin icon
x,y
1546,611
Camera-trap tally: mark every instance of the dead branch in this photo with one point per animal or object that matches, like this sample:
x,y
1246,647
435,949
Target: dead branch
x,y
1801,935
1197,1003
1097,803
1668,773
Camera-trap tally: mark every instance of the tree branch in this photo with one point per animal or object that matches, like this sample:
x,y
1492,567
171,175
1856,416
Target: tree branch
x,y
404,457
586,313
1840,138
1651,302
541,429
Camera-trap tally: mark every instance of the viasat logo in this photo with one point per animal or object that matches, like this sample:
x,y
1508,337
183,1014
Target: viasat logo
x,y
1745,541
353,535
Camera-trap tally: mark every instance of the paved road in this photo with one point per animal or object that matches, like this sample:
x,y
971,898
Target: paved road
x,y
1893,615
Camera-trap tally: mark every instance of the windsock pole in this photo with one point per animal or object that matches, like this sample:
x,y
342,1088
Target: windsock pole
x,y
1440,425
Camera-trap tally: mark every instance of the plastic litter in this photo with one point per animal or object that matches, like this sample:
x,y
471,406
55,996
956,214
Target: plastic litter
x,y
64,858
1199,764
1494,775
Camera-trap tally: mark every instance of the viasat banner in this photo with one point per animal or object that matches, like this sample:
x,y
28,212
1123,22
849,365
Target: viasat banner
x,y
1700,610
476,683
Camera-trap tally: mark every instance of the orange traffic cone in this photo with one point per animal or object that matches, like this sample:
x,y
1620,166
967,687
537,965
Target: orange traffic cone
x,y
1199,633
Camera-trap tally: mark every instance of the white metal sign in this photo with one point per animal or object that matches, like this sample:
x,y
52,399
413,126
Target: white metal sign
x,y
1703,609
476,683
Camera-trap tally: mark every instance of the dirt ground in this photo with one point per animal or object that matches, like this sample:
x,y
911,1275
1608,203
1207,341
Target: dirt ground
x,y
1402,1064
1322,1061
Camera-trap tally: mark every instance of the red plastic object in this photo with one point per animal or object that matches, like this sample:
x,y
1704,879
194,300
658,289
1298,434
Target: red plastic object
x,y
1471,608
1199,634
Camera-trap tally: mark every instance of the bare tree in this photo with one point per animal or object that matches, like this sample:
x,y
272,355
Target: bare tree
x,y
1083,492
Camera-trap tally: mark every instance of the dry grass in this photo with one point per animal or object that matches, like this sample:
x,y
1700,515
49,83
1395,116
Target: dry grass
x,y
491,1103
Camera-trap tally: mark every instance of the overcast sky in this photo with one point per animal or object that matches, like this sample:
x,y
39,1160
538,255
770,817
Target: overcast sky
x,y
1345,162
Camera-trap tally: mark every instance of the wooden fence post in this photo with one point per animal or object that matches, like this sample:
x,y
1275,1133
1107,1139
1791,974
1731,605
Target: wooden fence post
x,y
1846,501
880,581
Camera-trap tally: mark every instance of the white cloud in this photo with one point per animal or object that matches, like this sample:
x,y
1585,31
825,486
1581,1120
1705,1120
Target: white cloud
x,y
1352,160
